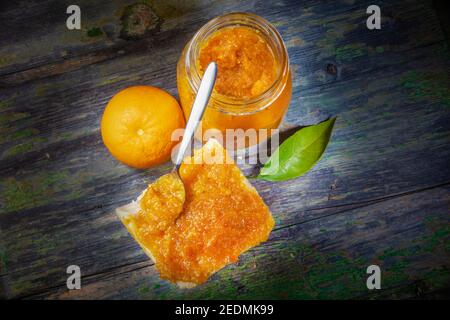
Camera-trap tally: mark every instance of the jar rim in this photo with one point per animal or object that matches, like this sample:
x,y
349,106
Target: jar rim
x,y
229,104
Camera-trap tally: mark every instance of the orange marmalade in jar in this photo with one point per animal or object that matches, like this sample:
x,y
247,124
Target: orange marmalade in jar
x,y
253,87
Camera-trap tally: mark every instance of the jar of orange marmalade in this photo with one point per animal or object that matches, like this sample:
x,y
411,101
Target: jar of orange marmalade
x,y
253,87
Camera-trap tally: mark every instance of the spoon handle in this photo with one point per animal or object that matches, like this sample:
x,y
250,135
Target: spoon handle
x,y
198,108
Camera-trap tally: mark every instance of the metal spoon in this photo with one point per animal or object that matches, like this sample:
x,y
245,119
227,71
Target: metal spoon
x,y
173,187
198,108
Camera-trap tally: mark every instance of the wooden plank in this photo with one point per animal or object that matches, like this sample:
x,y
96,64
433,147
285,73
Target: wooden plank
x,y
53,50
59,186
407,237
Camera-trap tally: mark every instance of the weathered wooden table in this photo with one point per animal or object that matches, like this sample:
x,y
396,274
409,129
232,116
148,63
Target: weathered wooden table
x,y
380,194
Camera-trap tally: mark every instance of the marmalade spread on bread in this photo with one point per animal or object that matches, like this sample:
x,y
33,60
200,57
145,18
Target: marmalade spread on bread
x,y
246,63
221,216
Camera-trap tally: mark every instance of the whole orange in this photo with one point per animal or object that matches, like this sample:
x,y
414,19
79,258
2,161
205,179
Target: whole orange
x,y
137,125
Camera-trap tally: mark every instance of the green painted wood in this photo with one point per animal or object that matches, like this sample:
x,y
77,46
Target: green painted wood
x,y
388,157
315,259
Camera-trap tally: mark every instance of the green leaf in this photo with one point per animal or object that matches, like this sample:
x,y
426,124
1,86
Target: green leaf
x,y
298,153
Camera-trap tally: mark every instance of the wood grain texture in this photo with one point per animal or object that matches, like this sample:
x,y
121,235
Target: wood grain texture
x,y
318,259
380,194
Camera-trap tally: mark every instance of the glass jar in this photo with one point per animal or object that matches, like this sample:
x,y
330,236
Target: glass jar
x,y
263,111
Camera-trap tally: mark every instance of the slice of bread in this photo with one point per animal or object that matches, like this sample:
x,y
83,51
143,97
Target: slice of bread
x,y
127,212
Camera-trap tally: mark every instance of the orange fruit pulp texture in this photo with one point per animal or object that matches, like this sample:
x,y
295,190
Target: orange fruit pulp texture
x,y
222,217
247,68
137,125
246,63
